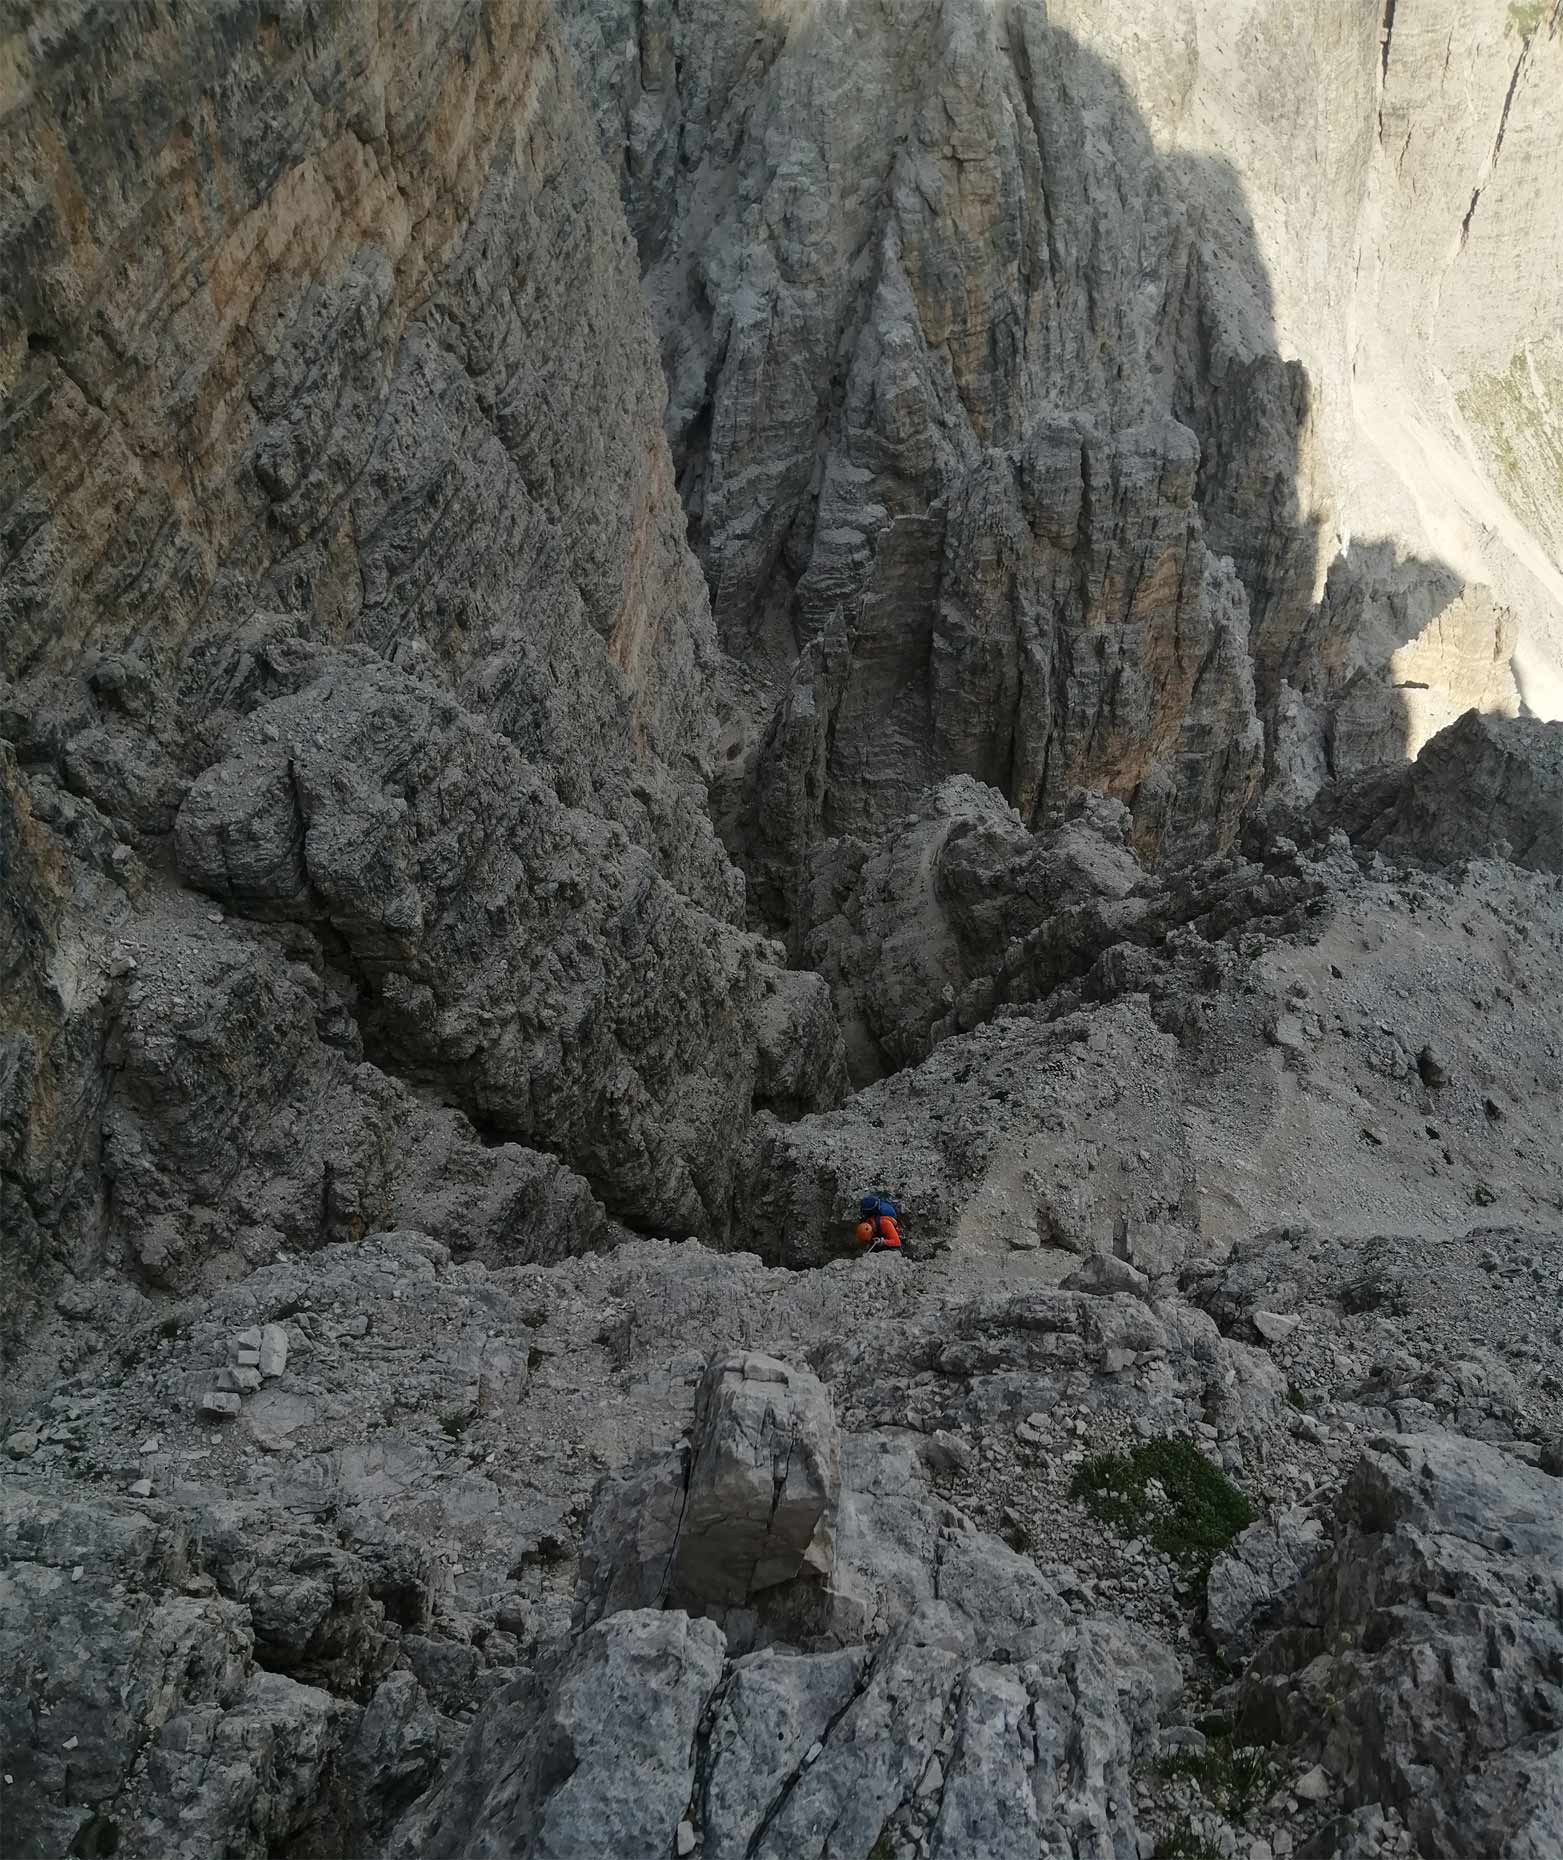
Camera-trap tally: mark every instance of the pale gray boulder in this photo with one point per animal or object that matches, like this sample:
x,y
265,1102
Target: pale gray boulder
x,y
1251,1580
764,1480
746,1506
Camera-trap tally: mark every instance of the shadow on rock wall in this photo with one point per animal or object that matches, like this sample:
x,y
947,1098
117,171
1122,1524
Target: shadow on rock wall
x,y
989,452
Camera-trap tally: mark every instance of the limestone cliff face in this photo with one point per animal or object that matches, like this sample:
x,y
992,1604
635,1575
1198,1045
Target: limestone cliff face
x,y
891,250
344,580
329,317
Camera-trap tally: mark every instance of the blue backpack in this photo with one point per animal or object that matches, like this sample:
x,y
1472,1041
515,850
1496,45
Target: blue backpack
x,y
871,1207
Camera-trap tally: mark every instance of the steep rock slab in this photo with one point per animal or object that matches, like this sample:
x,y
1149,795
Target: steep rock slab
x,y
372,401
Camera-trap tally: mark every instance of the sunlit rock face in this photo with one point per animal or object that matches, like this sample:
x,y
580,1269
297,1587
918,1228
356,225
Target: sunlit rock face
x,y
1068,394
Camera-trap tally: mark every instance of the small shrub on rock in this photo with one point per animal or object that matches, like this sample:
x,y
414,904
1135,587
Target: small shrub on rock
x,y
1168,1492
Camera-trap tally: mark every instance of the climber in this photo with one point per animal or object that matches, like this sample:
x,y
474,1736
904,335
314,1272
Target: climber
x,y
878,1226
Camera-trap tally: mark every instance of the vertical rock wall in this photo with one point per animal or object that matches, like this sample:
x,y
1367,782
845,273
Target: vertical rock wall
x,y
343,580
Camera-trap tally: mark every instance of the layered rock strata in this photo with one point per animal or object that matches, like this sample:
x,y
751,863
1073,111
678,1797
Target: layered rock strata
x,y
345,582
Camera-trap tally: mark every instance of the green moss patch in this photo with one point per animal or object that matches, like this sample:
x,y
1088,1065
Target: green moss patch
x,y
1168,1492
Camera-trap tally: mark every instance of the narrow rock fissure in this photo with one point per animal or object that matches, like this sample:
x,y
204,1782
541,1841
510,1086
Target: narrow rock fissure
x,y
780,1800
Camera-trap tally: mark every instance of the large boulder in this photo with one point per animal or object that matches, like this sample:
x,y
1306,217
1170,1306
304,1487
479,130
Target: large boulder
x,y
763,1483
1485,787
744,1507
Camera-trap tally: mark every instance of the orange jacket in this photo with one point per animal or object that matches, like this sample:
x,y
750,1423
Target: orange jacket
x,y
889,1233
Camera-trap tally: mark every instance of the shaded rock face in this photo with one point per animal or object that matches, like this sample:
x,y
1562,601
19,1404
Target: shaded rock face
x,y
1079,634
928,423
763,1482
1483,785
1434,1622
979,407
343,418
348,580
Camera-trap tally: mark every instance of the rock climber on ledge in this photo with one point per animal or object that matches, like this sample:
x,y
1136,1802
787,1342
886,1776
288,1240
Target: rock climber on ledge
x,y
878,1224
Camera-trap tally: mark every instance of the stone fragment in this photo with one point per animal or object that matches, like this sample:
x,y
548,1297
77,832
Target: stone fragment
x,y
1312,1786
272,1357
1275,1326
1286,1031
247,1359
685,1840
221,1404
141,1489
1103,1275
22,1444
